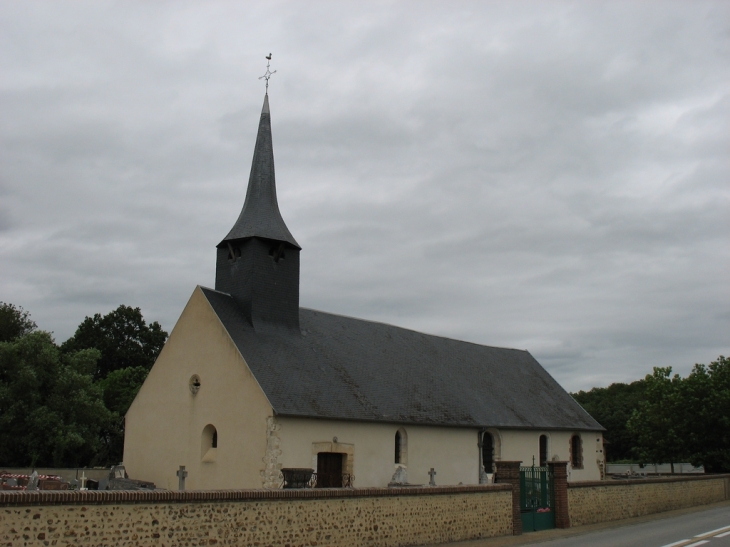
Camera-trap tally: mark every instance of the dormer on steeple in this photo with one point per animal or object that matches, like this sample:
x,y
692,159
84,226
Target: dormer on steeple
x,y
258,261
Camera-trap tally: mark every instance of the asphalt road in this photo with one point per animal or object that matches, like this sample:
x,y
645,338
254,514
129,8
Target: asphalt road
x,y
710,528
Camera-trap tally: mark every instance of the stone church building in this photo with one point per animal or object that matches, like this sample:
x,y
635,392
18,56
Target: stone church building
x,y
249,383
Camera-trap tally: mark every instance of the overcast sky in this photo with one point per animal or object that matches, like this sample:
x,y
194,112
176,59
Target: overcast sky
x,y
549,176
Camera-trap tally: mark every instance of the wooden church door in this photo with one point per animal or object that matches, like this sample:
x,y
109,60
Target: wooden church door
x,y
329,470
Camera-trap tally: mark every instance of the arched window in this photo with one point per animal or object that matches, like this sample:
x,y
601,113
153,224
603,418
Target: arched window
x,y
401,447
576,452
543,450
208,443
487,452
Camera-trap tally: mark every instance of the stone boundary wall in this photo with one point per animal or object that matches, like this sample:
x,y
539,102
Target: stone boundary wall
x,y
352,517
602,501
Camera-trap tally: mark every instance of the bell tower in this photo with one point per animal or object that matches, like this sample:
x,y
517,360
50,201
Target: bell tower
x,y
257,263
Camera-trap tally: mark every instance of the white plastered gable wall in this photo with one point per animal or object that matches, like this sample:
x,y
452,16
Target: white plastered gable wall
x,y
165,424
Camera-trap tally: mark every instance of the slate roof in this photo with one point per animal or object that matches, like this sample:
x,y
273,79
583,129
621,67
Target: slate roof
x,y
352,369
260,216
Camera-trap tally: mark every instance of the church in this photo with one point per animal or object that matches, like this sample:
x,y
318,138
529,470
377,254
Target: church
x,y
251,388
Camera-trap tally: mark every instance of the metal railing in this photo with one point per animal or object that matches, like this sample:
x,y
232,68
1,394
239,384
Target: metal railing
x,y
535,487
307,478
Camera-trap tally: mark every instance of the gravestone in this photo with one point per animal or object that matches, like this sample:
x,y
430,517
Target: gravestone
x,y
118,472
32,482
400,477
432,480
119,480
12,482
181,473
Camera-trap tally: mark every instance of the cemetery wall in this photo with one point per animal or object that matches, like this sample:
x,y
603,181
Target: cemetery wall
x,y
602,501
372,516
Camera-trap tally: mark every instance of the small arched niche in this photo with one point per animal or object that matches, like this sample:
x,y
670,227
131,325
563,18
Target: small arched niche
x,y
401,447
208,443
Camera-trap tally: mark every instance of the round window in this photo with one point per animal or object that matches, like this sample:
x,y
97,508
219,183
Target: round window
x,y
194,383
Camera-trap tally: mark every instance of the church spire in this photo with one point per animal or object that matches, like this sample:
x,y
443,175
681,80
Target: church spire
x,y
260,216
257,263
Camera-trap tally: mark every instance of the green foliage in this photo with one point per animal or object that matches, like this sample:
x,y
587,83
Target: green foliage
x,y
706,399
686,419
120,387
51,411
123,338
14,322
65,407
666,419
612,407
658,421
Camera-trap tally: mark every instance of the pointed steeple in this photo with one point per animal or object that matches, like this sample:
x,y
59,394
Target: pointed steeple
x,y
260,216
257,263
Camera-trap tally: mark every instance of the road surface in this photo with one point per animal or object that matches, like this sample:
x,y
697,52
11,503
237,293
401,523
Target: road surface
x,y
710,528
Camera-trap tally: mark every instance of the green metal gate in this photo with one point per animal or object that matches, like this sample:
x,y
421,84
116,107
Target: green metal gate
x,y
537,499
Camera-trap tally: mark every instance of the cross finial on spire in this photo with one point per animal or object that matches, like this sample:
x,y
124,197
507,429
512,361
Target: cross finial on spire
x,y
268,72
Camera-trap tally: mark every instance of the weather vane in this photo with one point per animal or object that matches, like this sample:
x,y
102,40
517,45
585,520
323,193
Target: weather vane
x,y
268,72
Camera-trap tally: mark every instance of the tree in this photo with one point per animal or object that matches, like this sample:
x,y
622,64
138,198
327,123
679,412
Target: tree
x,y
706,400
123,337
612,407
120,387
14,322
51,411
659,423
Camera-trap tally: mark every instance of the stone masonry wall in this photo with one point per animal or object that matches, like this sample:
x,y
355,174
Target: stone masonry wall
x,y
591,502
351,517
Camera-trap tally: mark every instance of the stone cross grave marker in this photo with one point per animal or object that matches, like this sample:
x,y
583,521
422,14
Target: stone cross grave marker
x,y
181,473
432,480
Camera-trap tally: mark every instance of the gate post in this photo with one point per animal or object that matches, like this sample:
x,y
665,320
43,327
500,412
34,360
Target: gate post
x,y
560,485
509,473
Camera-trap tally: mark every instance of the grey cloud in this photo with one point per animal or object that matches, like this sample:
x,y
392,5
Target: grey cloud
x,y
551,177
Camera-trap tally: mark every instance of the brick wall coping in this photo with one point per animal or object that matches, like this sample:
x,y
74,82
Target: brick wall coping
x,y
106,497
652,480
